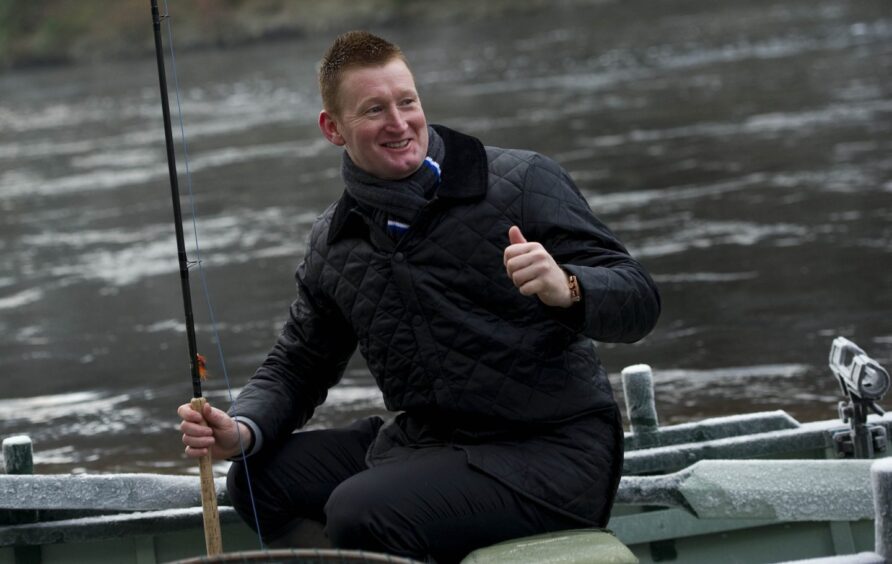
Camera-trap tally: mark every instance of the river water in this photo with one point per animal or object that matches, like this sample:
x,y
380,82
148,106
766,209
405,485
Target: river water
x,y
742,150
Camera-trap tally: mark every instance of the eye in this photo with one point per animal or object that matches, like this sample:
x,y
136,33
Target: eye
x,y
407,101
374,110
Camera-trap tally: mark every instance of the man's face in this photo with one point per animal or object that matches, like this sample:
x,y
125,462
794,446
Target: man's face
x,y
380,121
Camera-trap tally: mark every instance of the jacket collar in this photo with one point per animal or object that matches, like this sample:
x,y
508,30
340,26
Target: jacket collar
x,y
464,177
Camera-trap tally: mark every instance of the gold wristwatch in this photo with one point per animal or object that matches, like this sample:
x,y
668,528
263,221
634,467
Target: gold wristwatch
x,y
575,296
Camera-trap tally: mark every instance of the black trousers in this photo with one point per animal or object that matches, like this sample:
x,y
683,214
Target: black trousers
x,y
431,506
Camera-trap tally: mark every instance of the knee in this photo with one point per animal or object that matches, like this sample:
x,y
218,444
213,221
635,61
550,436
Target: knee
x,y
356,520
348,520
361,517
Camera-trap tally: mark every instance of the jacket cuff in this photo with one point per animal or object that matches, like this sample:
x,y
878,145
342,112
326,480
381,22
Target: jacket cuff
x,y
573,317
256,439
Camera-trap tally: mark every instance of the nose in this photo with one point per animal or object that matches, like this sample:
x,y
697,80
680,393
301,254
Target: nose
x,y
395,119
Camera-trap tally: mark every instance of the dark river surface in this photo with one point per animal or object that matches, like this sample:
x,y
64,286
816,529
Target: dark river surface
x,y
742,150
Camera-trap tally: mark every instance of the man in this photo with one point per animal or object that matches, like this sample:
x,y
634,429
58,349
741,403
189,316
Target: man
x,y
472,279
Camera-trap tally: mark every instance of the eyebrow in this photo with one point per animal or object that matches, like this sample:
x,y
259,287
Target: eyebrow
x,y
375,99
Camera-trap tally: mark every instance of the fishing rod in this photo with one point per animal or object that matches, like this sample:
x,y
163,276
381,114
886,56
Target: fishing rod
x,y
212,536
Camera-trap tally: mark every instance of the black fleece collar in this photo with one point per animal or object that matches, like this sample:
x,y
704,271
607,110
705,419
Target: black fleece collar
x,y
464,177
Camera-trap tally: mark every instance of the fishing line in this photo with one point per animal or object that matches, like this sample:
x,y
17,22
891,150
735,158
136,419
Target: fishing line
x,y
198,262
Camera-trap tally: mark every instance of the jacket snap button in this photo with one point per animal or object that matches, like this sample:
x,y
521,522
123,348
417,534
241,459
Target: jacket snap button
x,y
416,320
399,257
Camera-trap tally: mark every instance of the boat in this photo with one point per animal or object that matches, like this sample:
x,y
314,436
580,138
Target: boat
x,y
758,487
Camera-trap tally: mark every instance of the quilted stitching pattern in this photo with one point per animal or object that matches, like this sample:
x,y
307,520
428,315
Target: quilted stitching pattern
x,y
441,325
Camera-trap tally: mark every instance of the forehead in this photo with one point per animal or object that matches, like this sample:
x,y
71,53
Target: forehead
x,y
360,83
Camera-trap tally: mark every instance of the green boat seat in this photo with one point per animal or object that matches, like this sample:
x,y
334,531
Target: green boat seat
x,y
578,546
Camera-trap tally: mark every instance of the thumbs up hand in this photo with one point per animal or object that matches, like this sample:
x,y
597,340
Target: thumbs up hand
x,y
535,272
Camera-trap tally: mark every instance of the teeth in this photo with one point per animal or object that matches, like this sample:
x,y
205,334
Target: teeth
x,y
398,144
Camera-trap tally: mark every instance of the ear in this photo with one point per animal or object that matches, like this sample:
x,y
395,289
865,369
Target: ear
x,y
329,127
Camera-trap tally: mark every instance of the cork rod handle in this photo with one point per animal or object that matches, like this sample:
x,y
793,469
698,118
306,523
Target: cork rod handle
x,y
212,537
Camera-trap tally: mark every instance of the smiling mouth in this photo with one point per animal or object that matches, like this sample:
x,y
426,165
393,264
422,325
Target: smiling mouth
x,y
397,144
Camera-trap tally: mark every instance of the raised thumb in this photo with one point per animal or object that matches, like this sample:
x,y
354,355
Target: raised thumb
x,y
515,237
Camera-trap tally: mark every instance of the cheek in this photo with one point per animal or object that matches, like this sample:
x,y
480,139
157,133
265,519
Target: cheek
x,y
366,136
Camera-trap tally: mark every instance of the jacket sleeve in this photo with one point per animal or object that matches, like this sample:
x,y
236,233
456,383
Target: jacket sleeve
x,y
620,302
308,357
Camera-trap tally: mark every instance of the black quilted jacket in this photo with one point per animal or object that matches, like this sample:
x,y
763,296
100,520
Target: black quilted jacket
x,y
453,343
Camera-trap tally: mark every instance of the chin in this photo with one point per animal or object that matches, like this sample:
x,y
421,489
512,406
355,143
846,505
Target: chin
x,y
400,172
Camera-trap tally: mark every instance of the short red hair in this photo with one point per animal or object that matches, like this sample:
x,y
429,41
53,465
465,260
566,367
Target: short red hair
x,y
351,50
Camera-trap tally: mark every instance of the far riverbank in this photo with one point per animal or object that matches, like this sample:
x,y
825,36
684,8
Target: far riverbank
x,y
57,32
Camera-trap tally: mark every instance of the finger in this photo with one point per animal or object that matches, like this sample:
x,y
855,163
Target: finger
x,y
520,274
537,257
520,249
196,429
193,452
515,240
218,419
524,260
513,251
515,237
528,274
531,288
186,413
198,442
212,415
